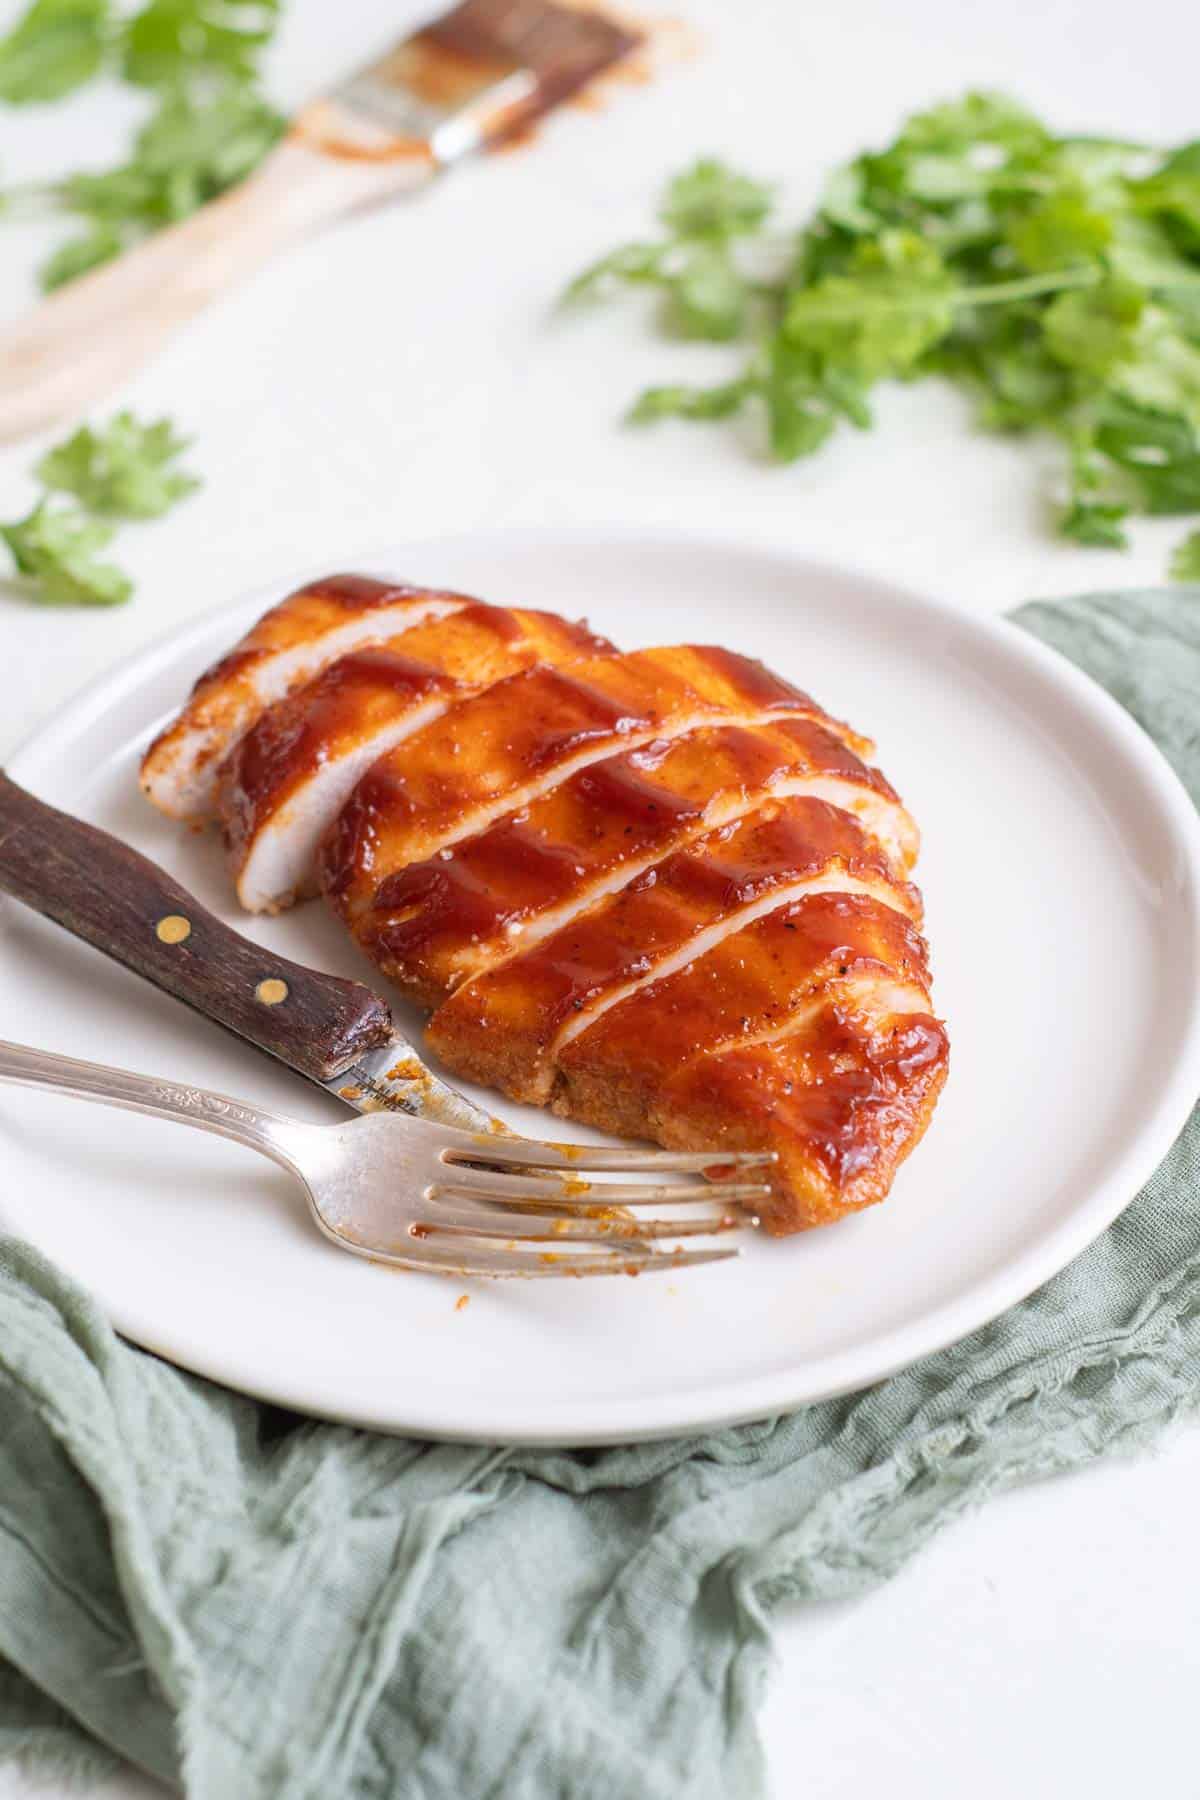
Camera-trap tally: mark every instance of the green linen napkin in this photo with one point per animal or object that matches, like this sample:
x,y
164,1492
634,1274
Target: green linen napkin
x,y
250,1605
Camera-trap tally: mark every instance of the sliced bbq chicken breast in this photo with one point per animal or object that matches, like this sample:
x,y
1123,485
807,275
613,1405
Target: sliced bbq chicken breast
x,y
661,892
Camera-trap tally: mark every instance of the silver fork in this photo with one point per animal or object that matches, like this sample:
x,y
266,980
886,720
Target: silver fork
x,y
420,1195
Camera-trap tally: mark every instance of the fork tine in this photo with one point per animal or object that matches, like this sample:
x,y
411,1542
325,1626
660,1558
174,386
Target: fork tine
x,y
532,1153
580,1196
465,1221
616,1262
485,1259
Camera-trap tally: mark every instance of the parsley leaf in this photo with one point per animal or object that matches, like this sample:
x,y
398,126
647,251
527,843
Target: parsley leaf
x,y
221,35
57,549
1064,227
1173,193
1058,277
798,421
190,150
978,118
631,262
804,399
1097,523
1158,454
197,145
79,254
688,402
895,300
121,472
57,46
708,297
1095,333
710,201
1185,563
706,294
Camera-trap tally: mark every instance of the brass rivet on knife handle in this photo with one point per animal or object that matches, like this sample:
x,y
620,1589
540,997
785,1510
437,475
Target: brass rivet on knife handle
x,y
173,929
110,896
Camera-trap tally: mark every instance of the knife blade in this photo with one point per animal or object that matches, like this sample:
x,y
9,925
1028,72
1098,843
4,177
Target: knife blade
x,y
392,1078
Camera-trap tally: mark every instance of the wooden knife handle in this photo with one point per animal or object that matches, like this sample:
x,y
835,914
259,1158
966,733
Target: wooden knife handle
x,y
127,906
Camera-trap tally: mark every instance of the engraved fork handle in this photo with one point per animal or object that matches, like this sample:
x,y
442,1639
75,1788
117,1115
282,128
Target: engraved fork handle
x,y
268,1132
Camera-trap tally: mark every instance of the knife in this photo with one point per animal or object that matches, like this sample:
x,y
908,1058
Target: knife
x,y
337,1033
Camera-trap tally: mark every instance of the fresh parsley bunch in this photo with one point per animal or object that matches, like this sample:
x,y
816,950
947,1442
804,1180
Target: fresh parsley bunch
x,y
1058,277
125,471
211,125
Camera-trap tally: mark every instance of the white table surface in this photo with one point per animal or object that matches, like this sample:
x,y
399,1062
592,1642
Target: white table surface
x,y
402,375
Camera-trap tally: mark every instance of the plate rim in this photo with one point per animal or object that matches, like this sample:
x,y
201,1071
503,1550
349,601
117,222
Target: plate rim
x,y
738,1399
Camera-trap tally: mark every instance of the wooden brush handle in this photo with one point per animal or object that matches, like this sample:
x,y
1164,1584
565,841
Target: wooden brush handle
x,y
125,905
89,336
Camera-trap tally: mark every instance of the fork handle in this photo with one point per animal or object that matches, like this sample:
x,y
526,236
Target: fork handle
x,y
207,1111
89,335
124,904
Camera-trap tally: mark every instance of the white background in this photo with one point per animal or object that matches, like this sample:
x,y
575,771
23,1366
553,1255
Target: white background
x,y
404,375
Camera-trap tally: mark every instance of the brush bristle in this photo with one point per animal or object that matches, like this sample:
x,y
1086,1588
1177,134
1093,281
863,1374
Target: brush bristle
x,y
562,47
481,75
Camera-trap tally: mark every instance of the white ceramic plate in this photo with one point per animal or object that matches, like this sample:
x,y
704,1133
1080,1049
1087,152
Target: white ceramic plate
x,y
1061,871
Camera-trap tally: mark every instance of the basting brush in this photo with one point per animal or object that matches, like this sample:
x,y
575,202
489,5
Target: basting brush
x,y
477,78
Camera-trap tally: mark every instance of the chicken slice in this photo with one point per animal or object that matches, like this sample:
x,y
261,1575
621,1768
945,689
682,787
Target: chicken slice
x,y
842,1098
662,892
508,1026
805,1029
288,646
747,987
448,917
505,747
285,781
